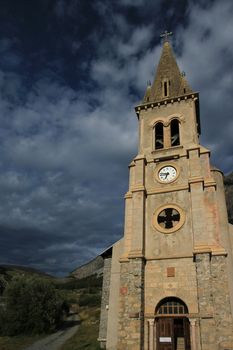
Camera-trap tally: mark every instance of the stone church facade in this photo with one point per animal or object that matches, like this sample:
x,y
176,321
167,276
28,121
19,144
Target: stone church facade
x,y
168,283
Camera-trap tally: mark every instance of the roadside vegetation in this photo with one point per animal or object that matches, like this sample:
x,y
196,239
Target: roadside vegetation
x,y
87,334
87,293
19,342
32,306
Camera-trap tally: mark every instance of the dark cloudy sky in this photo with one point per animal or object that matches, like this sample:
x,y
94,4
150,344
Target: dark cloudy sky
x,y
71,72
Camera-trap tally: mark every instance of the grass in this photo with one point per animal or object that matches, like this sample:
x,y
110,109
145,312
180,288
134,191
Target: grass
x,y
86,336
84,292
17,342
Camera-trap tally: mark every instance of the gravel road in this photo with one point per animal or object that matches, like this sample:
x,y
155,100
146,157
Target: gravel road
x,y
56,340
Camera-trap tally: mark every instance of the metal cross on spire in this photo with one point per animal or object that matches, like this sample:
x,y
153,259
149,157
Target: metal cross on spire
x,y
165,35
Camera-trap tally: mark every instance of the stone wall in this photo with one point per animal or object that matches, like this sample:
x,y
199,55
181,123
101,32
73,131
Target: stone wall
x,y
105,302
131,310
222,308
216,325
90,268
113,311
205,300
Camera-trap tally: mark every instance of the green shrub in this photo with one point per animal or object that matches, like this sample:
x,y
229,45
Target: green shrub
x,y
32,306
89,300
84,283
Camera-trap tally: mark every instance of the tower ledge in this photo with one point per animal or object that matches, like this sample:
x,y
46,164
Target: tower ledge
x,y
150,105
145,106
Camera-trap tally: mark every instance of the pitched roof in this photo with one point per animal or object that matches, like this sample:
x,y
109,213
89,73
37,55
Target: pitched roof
x,y
167,71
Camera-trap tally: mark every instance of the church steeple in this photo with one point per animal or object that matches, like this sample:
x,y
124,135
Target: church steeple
x,y
169,82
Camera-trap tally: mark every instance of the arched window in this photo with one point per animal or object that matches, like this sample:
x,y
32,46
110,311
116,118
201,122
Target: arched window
x,y
159,136
171,306
175,133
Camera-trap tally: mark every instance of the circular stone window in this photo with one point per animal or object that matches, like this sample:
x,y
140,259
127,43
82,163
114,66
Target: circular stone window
x,y
168,218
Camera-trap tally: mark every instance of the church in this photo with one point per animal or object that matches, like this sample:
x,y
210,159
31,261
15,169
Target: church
x,y
168,283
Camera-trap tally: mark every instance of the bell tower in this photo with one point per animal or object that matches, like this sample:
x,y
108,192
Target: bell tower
x,y
175,261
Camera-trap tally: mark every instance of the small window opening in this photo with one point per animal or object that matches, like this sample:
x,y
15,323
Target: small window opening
x,y
175,135
159,136
184,91
165,88
147,99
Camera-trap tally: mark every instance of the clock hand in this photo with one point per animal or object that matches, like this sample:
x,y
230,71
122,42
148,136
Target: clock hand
x,y
164,174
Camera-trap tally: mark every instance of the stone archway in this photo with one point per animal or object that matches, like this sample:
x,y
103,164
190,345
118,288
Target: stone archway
x,y
172,325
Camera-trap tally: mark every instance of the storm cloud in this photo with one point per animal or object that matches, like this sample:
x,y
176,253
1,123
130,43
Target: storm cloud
x,y
71,73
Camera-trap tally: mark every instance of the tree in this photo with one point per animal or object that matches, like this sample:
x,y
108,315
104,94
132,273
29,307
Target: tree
x,y
33,305
3,284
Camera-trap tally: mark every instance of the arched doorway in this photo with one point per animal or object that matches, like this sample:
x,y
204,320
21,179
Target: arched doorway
x,y
172,325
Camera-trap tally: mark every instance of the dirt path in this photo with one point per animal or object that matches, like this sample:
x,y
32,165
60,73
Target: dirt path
x,y
56,340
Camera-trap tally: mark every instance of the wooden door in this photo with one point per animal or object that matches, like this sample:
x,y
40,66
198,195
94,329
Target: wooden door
x,y
187,334
179,336
173,334
164,334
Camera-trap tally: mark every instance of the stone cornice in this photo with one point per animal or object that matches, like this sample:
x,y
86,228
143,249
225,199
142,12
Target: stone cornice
x,y
136,254
199,179
210,183
167,257
166,188
132,164
214,250
195,179
124,259
190,316
176,152
202,249
199,148
138,188
128,195
157,104
140,157
156,190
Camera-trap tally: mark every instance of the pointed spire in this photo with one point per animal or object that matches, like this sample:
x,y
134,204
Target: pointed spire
x,y
169,81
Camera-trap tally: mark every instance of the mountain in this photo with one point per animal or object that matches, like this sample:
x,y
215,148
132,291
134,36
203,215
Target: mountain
x,y
7,272
11,270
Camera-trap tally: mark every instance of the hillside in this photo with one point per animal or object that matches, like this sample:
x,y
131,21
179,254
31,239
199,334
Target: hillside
x,y
83,297
7,272
16,269
228,182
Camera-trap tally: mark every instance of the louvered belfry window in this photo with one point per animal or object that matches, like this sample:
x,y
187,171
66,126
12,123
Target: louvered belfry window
x,y
159,138
175,133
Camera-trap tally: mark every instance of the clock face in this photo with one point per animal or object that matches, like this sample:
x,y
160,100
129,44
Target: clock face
x,y
167,173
